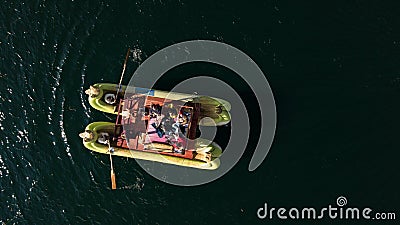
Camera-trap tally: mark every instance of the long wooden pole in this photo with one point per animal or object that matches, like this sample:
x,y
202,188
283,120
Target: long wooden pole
x,y
123,71
113,182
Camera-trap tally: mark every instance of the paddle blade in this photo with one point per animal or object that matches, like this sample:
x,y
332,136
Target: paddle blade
x,y
113,182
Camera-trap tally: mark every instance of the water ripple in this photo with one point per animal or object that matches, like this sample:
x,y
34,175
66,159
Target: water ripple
x,y
83,97
63,135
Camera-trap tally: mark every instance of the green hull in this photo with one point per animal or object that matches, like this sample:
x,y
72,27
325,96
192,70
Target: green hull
x,y
93,145
217,119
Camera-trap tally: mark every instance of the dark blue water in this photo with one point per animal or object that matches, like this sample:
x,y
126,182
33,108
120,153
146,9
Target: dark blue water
x,y
334,70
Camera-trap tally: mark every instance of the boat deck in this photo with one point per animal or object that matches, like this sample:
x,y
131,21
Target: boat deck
x,y
136,127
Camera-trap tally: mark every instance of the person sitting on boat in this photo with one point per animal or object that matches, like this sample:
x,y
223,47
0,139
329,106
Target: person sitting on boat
x,y
175,130
110,98
183,118
92,91
155,110
182,122
159,129
173,135
170,111
103,138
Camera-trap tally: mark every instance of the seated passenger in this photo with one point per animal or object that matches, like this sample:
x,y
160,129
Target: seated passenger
x,y
155,110
183,119
175,127
169,111
110,98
